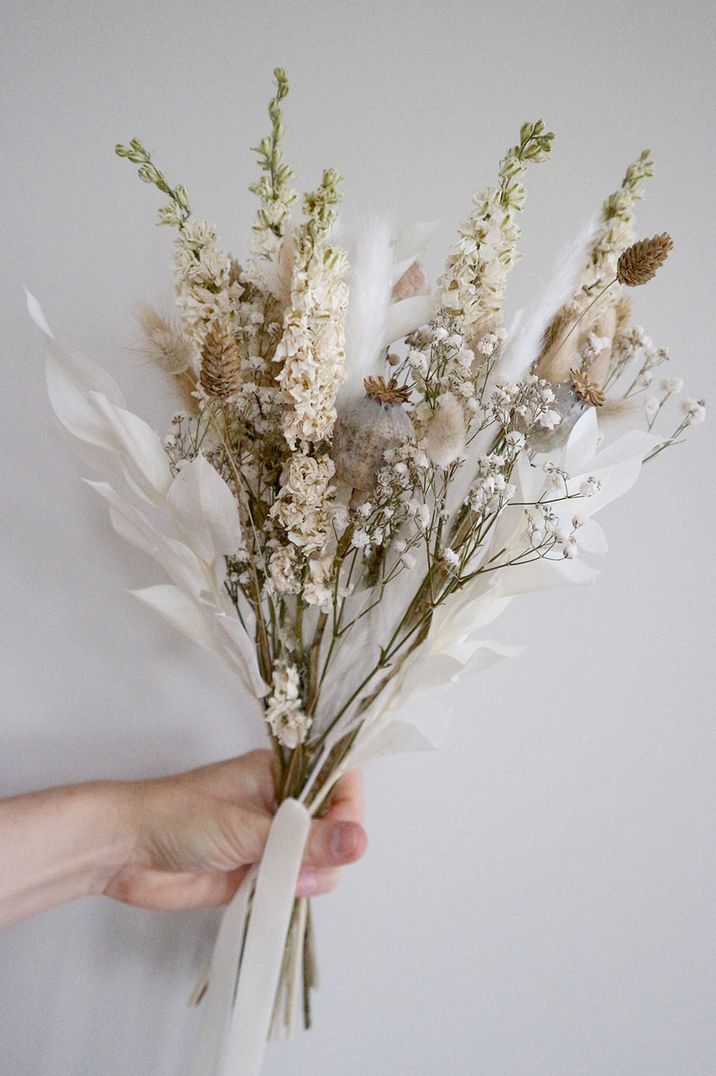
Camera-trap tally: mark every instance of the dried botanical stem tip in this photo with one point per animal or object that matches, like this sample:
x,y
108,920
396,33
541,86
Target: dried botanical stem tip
x,y
639,262
219,374
585,388
386,392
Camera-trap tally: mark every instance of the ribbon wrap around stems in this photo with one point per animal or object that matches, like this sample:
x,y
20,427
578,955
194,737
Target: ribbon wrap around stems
x,y
246,962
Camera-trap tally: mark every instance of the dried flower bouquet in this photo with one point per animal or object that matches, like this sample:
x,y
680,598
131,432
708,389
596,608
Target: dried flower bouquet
x,y
367,469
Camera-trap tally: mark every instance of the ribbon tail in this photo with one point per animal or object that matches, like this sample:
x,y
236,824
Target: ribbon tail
x,y
248,954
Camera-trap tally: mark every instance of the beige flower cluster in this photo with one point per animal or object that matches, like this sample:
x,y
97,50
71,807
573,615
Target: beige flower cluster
x,y
284,710
303,505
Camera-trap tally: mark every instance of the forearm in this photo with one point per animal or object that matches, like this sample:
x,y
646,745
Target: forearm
x,y
60,844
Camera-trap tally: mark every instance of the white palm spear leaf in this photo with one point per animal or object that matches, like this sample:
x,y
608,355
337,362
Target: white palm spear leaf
x,y
196,504
373,321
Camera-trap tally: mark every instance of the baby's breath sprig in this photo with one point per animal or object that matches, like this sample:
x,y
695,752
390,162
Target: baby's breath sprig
x,y
274,186
177,212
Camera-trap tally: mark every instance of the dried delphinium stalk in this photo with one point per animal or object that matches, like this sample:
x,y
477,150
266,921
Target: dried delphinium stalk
x,y
473,283
614,235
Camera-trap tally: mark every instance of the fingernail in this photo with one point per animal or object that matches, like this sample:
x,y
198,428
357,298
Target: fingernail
x,y
344,841
307,883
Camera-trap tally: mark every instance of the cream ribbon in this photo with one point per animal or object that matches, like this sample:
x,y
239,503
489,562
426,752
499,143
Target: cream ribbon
x,y
246,962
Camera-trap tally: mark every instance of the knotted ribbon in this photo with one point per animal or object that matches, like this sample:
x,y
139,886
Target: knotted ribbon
x,y
248,953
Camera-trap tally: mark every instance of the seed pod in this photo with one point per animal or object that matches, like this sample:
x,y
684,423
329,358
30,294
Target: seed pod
x,y
586,387
367,429
639,262
219,374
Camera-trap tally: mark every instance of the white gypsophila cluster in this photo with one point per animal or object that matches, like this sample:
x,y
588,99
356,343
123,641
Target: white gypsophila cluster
x,y
284,708
694,412
491,490
302,507
548,535
440,360
523,405
202,280
395,504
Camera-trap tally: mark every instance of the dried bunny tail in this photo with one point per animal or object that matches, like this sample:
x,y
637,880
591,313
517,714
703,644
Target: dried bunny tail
x,y
164,344
525,340
370,285
615,407
187,384
446,433
622,310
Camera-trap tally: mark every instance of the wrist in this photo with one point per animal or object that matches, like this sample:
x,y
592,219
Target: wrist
x,y
112,818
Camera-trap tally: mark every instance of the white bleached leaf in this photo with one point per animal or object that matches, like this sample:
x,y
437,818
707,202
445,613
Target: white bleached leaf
x,y
237,642
177,559
140,448
591,538
407,315
205,510
177,608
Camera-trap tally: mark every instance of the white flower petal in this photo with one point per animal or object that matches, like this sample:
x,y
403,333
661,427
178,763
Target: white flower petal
x,y
581,444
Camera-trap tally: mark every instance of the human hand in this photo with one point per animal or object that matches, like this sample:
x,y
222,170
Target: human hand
x,y
195,835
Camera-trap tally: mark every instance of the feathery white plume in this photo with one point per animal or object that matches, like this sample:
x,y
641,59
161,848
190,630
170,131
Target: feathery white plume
x,y
370,285
524,340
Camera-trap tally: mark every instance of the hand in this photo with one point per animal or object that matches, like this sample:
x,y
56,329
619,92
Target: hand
x,y
195,835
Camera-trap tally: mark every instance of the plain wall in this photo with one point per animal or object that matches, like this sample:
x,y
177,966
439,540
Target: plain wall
x,y
537,899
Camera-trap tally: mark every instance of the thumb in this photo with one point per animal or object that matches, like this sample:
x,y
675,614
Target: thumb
x,y
330,843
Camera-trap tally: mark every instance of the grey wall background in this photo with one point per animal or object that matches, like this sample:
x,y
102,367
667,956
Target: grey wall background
x,y
538,898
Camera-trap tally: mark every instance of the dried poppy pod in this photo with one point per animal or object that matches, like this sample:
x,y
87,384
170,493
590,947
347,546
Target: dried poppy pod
x,y
367,429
